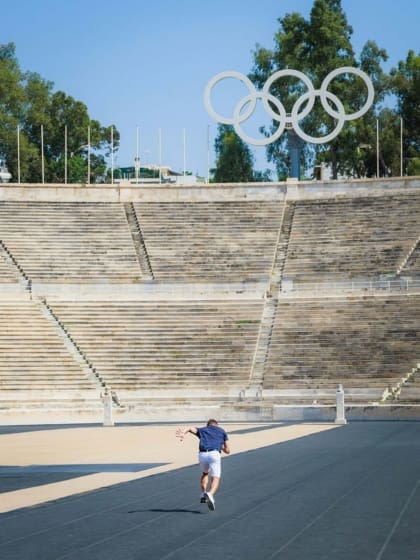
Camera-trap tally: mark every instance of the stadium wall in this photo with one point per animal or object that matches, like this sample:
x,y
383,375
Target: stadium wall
x,y
230,192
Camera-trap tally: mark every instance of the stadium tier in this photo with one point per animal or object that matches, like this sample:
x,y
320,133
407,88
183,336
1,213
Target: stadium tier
x,y
69,242
355,238
214,241
37,366
367,344
145,347
225,295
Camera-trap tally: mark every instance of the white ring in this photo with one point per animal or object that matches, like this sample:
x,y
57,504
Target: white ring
x,y
312,139
348,70
282,73
281,117
262,141
221,76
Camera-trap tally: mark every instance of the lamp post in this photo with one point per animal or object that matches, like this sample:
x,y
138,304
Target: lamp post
x,y
18,152
160,154
65,154
42,155
137,158
112,155
88,147
401,147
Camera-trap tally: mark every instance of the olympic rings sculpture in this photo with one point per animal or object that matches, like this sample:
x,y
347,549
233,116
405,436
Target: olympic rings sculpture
x,y
246,106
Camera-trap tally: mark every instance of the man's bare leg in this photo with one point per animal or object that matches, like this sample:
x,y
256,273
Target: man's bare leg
x,y
213,489
204,481
214,485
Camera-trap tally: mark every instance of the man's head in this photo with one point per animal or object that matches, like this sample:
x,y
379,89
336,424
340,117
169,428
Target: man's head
x,y
212,422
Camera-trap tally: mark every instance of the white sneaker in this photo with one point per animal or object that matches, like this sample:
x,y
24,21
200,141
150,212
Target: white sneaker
x,y
210,501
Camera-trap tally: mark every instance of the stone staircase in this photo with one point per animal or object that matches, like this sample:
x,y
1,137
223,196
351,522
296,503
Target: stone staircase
x,y
335,239
70,242
409,390
142,349
8,272
282,245
411,262
256,378
72,347
10,269
365,343
210,241
138,241
36,366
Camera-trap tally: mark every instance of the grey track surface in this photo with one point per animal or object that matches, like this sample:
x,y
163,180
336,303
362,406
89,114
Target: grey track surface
x,y
16,478
351,493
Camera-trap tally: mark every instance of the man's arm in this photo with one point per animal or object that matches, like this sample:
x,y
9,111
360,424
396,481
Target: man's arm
x,y
181,432
226,448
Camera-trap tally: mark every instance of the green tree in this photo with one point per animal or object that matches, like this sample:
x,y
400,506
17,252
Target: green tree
x,y
12,100
405,84
316,47
234,160
66,113
28,101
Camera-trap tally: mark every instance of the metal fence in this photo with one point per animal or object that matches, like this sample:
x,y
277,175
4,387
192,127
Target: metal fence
x,y
397,284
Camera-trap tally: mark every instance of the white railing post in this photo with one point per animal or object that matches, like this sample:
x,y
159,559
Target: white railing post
x,y
340,417
107,402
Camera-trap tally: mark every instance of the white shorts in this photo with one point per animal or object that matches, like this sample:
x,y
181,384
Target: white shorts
x,y
210,462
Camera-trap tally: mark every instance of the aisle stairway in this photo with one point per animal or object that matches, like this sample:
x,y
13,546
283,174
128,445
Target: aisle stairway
x,y
365,343
36,367
210,241
355,238
70,242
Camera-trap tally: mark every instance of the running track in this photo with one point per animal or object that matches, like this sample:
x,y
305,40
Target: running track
x,y
351,493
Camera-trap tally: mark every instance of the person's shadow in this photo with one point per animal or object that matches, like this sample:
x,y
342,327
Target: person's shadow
x,y
162,510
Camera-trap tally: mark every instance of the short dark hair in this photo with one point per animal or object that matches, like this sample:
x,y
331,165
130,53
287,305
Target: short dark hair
x,y
212,422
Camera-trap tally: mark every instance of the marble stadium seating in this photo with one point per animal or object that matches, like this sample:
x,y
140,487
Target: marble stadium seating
x,y
246,330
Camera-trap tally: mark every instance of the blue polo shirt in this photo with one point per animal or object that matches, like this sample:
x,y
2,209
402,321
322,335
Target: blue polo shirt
x,y
211,437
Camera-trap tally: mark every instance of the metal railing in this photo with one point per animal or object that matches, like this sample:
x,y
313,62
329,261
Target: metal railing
x,y
397,284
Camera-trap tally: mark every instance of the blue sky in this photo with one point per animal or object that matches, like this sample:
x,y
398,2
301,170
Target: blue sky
x,y
143,64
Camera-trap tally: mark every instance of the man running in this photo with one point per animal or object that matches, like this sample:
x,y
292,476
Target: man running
x,y
213,440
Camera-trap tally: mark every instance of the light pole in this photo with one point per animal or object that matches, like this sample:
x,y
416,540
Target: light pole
x,y
401,147
18,151
137,158
65,154
88,147
42,154
112,155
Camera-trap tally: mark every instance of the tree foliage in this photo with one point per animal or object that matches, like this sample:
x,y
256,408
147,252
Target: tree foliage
x,y
316,47
47,120
234,160
405,84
